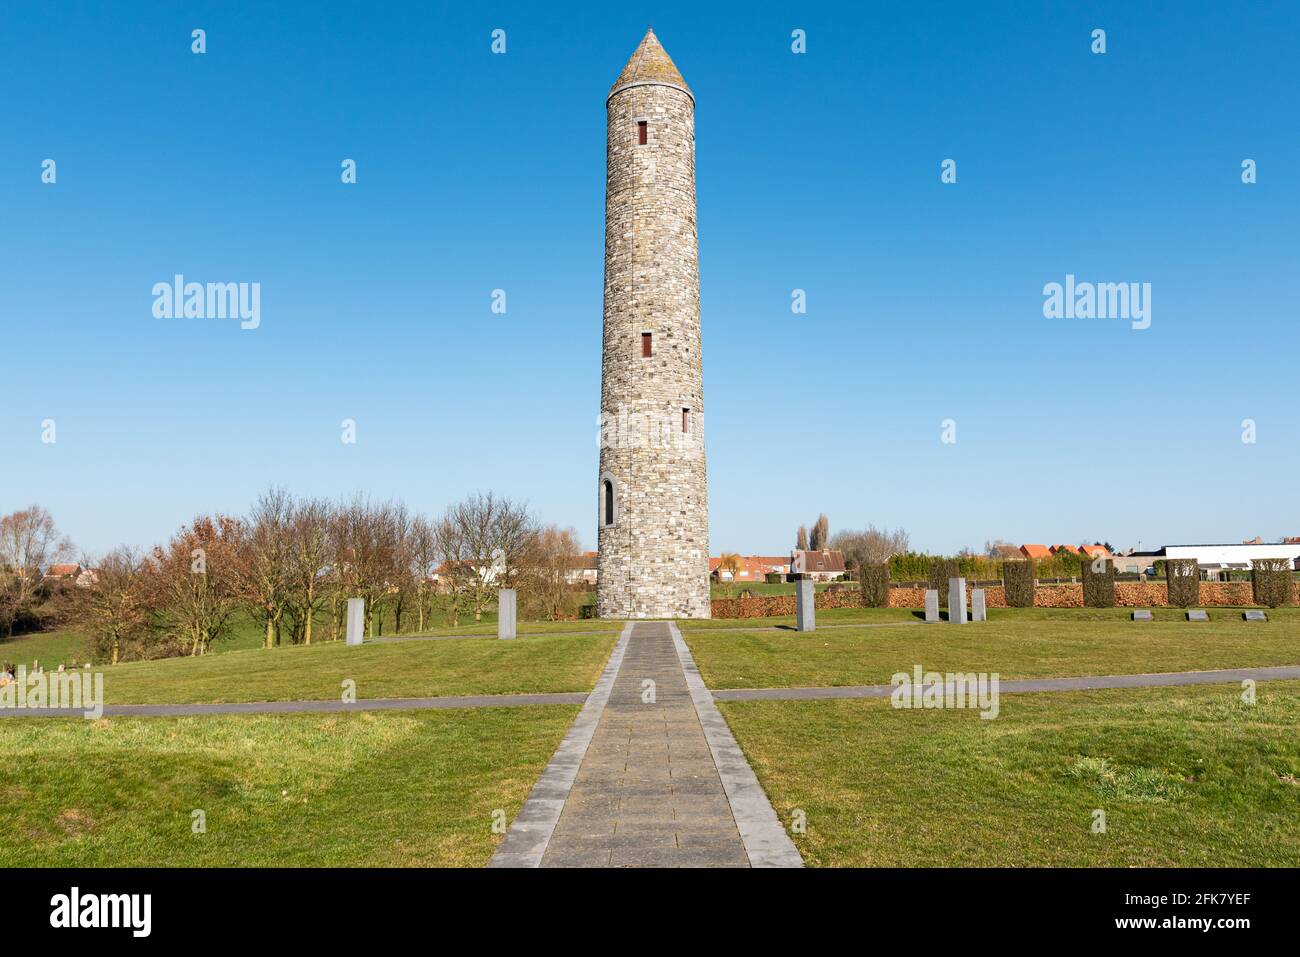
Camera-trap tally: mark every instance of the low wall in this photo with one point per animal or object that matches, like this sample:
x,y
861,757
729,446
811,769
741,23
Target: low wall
x,y
1127,595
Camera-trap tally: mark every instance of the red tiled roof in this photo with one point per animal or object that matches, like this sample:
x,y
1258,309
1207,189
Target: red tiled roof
x,y
1035,551
823,561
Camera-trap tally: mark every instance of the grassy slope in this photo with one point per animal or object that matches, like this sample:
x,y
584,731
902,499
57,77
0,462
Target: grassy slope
x,y
393,788
456,666
1014,645
1187,777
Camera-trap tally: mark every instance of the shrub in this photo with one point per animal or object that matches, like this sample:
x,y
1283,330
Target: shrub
x,y
1098,586
1270,580
773,578
1019,580
941,569
875,585
1182,579
909,567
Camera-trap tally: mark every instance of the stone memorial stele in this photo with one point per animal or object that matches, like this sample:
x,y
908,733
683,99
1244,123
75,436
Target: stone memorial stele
x,y
1256,615
1196,614
957,600
978,608
1141,614
932,604
805,602
506,604
356,620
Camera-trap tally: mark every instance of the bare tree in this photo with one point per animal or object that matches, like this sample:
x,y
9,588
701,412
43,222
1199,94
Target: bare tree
x,y
201,579
311,559
116,609
267,562
401,580
29,543
493,535
366,539
729,562
423,555
801,541
871,546
821,534
454,571
544,577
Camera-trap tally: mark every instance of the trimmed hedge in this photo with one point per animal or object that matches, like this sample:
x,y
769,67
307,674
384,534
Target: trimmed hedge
x,y
875,585
773,578
1183,580
1019,579
1098,586
1270,580
941,569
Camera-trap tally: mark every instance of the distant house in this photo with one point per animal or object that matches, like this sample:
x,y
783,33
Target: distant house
x,y
1214,559
1067,549
1095,551
824,565
753,568
62,574
1035,551
582,569
444,573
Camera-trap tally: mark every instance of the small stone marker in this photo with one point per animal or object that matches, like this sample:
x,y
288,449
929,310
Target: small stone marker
x,y
957,601
506,604
1255,615
978,609
356,620
1141,614
932,604
805,605
1196,614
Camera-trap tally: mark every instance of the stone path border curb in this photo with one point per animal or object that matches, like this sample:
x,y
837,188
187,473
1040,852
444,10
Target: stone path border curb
x,y
530,832
766,842
1098,683
302,707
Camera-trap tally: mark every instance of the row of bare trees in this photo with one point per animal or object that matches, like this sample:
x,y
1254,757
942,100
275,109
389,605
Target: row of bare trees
x,y
292,563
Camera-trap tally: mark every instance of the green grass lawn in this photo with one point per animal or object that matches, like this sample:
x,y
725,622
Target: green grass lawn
x,y
384,789
50,648
1013,644
69,645
1186,777
455,666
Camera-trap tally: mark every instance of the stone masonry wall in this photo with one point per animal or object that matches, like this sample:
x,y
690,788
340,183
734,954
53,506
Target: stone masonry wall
x,y
654,559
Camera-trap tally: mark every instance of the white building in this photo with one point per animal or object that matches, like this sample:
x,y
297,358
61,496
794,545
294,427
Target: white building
x,y
1213,558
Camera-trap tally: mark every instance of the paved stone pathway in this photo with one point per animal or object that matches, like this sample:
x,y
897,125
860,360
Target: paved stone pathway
x,y
647,793
659,782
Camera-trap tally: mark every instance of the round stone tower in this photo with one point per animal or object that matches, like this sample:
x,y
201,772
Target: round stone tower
x,y
653,537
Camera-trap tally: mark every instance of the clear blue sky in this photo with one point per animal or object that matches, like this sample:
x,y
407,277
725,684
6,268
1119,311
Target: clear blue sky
x,y
821,172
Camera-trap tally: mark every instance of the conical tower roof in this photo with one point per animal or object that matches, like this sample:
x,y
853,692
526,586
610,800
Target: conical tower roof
x,y
650,65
